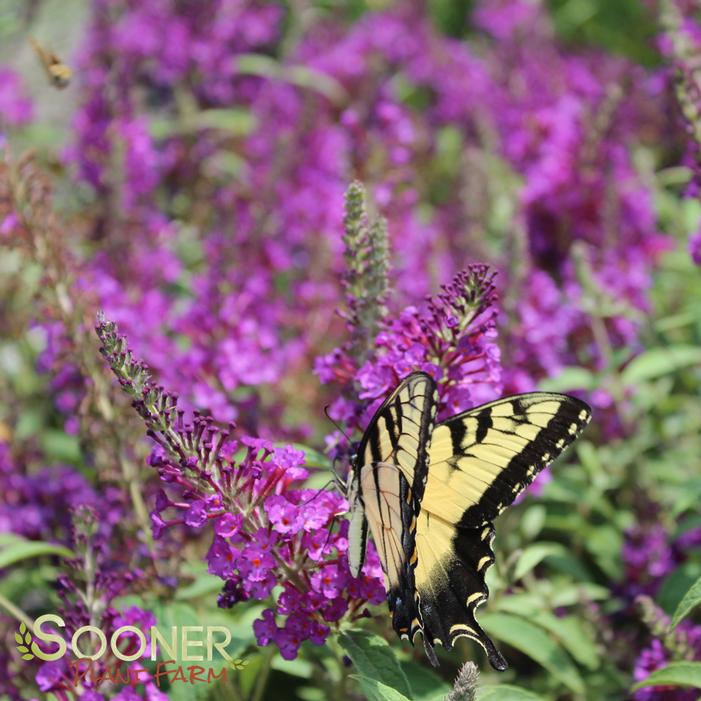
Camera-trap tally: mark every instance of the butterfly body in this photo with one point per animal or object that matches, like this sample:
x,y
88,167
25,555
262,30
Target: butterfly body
x,y
428,493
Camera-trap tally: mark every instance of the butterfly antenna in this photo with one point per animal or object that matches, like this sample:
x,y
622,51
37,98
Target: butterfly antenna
x,y
340,482
328,416
319,491
330,529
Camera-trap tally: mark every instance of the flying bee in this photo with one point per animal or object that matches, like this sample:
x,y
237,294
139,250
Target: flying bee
x,y
58,72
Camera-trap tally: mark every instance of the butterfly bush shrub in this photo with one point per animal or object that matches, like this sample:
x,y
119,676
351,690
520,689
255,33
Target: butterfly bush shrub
x,y
269,531
514,150
388,99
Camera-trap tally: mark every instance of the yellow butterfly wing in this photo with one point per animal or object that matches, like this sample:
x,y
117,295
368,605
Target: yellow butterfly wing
x,y
385,490
479,462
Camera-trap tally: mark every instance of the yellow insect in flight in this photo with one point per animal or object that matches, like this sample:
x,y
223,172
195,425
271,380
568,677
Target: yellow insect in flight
x,y
58,72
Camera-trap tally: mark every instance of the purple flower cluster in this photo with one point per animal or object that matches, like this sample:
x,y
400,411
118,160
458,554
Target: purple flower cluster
x,y
388,100
453,338
268,533
58,677
682,643
268,530
87,591
38,504
651,553
648,556
16,108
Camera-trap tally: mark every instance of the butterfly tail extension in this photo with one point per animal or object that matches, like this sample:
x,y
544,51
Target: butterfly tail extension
x,y
445,622
430,652
406,616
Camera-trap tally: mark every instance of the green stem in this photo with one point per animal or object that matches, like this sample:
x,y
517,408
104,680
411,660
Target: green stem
x,y
232,688
16,612
262,679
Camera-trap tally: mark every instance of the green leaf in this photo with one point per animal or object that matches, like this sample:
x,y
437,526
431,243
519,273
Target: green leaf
x,y
236,121
691,599
569,379
205,583
569,631
604,542
310,79
569,595
313,458
298,667
538,645
25,549
377,691
505,692
568,563
60,445
310,693
19,638
676,585
534,555
375,659
179,614
532,521
300,75
674,674
9,538
658,362
258,64
425,684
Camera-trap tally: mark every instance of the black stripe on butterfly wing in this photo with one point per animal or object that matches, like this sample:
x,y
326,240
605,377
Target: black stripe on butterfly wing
x,y
400,430
565,425
484,423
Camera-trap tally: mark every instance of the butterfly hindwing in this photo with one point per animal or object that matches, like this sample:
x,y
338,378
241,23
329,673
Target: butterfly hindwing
x,y
391,511
450,582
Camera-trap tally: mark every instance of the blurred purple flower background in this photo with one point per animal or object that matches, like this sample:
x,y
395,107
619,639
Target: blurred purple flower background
x,y
285,206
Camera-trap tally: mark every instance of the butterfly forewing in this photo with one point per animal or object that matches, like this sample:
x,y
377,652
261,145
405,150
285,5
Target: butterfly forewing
x,y
400,431
479,462
398,434
390,473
